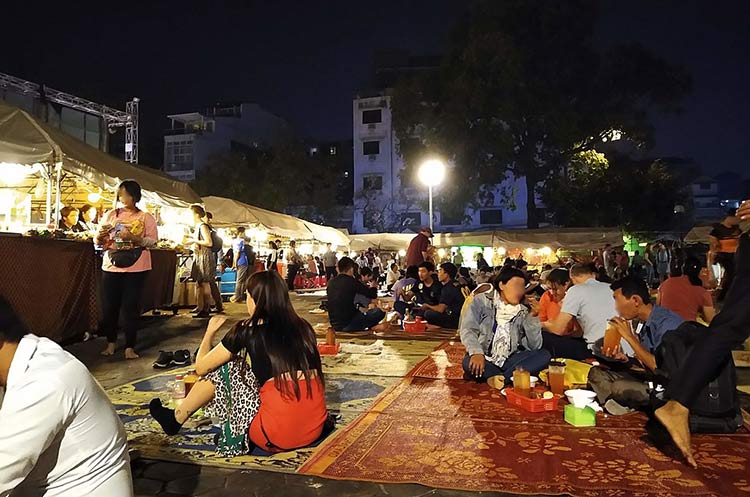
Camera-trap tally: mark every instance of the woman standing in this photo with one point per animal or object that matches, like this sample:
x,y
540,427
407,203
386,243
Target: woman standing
x,y
125,234
203,264
278,401
272,263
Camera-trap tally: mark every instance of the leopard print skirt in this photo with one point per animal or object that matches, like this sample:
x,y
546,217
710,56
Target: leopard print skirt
x,y
235,405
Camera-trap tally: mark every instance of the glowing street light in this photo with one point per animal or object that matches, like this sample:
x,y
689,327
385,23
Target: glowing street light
x,y
431,173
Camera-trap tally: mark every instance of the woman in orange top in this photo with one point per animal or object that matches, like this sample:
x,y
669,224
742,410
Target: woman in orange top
x,y
278,401
551,302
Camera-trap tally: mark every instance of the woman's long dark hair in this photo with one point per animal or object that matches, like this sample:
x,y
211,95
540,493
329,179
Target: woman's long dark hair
x,y
287,339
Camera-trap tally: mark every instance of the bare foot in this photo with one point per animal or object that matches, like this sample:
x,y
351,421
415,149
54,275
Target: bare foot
x,y
674,417
109,351
382,327
130,354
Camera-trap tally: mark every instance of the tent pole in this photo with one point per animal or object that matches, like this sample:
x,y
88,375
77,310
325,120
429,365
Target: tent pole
x,y
58,179
48,207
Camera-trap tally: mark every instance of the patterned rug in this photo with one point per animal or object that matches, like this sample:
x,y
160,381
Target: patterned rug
x,y
443,363
393,332
354,378
463,435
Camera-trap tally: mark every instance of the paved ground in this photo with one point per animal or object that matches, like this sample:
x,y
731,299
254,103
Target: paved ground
x,y
153,478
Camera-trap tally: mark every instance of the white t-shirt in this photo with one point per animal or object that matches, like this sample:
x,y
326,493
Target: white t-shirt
x,y
59,434
592,304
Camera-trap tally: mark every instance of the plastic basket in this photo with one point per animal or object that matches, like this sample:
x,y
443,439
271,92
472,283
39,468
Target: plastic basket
x,y
325,349
531,405
416,327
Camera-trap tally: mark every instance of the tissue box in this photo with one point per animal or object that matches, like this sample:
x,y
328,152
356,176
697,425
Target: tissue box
x,y
580,416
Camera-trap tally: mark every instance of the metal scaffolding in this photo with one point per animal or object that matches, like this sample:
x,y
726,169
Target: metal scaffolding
x,y
113,118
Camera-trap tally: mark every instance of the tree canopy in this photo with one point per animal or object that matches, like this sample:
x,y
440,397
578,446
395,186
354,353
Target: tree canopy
x,y
522,91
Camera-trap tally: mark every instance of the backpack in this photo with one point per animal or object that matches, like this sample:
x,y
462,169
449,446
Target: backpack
x,y
717,407
250,255
216,242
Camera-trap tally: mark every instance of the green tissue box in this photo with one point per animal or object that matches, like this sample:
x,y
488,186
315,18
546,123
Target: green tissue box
x,y
580,416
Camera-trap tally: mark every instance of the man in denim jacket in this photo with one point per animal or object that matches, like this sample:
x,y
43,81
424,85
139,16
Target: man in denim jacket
x,y
500,333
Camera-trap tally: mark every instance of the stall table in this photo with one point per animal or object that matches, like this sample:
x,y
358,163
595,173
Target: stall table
x,y
52,284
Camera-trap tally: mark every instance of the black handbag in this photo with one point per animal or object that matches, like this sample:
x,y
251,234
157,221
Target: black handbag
x,y
125,258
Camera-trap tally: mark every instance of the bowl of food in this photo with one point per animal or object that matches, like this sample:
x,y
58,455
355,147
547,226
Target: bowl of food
x,y
579,397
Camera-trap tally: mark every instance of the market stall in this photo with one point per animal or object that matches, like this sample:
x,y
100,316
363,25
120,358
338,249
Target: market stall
x,y
42,169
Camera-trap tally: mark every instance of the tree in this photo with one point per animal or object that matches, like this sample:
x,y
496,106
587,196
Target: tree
x,y
524,90
273,178
638,196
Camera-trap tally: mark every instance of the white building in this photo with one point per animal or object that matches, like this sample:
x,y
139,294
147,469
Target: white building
x,y
197,136
380,200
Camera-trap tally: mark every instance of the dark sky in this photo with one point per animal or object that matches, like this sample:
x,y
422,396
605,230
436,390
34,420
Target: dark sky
x,y
304,60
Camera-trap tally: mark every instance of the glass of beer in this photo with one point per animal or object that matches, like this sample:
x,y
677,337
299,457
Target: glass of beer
x,y
522,382
556,377
611,337
190,379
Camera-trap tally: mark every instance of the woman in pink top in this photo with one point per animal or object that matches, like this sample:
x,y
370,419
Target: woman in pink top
x,y
125,234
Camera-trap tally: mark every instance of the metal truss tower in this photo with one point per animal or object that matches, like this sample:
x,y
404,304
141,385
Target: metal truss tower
x,y
113,118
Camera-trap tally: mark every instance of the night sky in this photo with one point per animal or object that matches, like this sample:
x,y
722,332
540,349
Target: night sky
x,y
304,60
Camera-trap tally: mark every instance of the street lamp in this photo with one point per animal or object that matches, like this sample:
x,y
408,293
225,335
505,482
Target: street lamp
x,y
431,173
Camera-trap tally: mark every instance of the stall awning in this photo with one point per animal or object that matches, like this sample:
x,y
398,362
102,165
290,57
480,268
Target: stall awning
x,y
227,212
699,234
25,139
568,238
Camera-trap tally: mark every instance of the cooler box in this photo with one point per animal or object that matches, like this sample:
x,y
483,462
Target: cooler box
x,y
228,282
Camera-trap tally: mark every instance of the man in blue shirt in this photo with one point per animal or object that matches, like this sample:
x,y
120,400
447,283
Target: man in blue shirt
x,y
239,264
621,391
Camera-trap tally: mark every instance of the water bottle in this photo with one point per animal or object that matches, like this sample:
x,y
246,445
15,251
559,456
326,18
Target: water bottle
x,y
178,392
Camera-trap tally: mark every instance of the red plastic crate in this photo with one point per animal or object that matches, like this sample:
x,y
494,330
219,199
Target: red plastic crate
x,y
415,326
325,349
531,405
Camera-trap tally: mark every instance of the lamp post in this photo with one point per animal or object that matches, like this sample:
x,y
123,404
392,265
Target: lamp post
x,y
431,173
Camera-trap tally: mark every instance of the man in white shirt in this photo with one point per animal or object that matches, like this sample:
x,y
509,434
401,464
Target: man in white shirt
x,y
59,435
591,303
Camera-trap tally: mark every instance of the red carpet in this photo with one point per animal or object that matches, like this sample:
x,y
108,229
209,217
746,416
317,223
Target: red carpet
x,y
461,435
444,363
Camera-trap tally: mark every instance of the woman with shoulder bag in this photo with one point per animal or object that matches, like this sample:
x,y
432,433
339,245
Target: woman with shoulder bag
x,y
204,266
126,234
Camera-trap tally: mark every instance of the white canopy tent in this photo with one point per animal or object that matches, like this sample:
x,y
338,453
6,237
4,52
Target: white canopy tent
x,y
29,146
227,212
698,234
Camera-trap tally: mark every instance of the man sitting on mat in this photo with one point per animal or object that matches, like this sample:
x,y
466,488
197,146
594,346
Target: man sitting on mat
x,y
501,330
427,291
446,312
622,391
590,302
342,292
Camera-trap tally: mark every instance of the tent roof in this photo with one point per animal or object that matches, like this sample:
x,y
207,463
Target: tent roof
x,y
698,234
26,140
569,238
228,212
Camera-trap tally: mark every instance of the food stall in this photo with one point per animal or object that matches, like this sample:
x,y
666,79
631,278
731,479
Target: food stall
x,y
54,274
263,225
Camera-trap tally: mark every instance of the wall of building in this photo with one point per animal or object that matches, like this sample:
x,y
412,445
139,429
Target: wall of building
x,y
85,127
399,203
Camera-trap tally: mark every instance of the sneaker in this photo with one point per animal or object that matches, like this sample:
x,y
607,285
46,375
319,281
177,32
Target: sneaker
x,y
181,358
164,360
203,314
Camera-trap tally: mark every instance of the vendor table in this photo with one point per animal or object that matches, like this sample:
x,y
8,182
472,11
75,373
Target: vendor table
x,y
51,283
54,284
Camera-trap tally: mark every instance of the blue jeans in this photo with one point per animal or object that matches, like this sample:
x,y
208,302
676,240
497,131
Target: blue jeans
x,y
362,322
532,361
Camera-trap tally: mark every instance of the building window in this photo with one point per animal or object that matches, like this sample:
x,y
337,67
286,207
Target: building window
x,y
371,148
491,216
372,116
372,182
411,220
313,151
332,150
451,219
179,155
704,186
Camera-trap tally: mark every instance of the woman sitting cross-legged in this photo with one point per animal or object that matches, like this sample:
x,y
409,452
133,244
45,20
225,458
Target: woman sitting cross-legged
x,y
501,330
277,402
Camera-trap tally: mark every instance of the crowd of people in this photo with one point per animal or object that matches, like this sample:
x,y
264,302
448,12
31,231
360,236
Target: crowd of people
x,y
263,380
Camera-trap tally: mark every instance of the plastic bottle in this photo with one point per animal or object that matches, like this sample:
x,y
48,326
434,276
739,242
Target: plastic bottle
x,y
178,393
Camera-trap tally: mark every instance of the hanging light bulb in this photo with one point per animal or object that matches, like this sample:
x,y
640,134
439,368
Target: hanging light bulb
x,y
94,197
